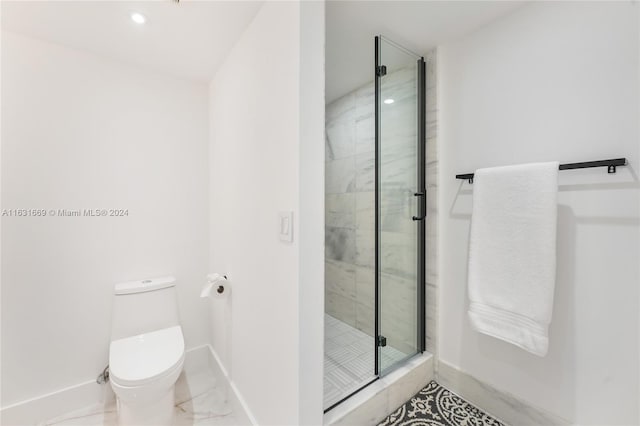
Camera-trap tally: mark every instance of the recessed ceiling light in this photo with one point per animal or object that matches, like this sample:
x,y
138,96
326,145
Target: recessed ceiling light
x,y
138,18
389,101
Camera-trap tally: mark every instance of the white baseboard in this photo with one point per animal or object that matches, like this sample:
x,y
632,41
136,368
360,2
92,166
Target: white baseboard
x,y
217,362
53,404
506,407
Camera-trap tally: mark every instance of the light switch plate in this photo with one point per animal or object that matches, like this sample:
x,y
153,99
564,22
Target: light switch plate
x,y
285,226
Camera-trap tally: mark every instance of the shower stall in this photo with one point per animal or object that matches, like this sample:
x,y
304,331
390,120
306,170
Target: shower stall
x,y
375,224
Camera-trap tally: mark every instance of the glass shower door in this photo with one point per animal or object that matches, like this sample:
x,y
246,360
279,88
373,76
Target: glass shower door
x,y
400,204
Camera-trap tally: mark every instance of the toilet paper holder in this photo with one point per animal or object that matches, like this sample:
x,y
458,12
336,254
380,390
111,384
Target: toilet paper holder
x,y
216,280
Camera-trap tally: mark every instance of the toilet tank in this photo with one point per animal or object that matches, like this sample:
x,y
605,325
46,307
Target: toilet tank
x,y
143,306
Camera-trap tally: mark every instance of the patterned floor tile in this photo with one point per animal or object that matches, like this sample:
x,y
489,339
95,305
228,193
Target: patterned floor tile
x,y
437,406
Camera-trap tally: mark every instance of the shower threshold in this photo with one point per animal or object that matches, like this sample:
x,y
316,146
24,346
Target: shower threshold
x,y
374,402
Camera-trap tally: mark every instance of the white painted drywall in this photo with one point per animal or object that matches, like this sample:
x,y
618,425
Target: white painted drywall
x,y
257,156
552,81
83,132
311,189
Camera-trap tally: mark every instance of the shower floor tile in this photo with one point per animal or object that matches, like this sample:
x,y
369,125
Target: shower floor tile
x,y
349,359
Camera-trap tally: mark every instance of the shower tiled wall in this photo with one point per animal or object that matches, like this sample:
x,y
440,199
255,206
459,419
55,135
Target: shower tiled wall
x,y
431,246
349,210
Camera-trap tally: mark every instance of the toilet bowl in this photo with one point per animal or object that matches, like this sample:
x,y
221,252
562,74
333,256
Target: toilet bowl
x,y
143,370
146,354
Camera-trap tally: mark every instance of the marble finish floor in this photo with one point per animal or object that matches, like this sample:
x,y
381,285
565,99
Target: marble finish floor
x,y
435,405
349,359
201,399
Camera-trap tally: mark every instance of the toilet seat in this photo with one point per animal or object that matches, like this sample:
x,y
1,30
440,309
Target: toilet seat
x,y
144,358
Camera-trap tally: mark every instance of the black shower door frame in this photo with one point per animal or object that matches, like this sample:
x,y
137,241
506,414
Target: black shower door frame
x,y
421,194
420,218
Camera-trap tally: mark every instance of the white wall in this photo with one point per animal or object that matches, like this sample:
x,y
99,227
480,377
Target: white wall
x,y
311,189
79,131
553,81
256,159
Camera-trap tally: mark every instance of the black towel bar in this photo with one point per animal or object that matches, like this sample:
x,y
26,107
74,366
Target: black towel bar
x,y
609,164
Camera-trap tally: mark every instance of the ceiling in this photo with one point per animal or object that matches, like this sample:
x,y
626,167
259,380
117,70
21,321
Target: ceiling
x,y
418,25
189,39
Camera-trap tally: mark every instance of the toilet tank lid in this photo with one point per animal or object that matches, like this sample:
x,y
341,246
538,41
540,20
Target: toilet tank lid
x,y
145,285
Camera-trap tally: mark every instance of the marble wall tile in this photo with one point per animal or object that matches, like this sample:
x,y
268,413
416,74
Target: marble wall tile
x,y
340,210
340,307
340,244
431,251
365,229
397,138
398,170
431,148
341,109
340,203
365,318
431,297
350,127
431,311
396,211
350,206
399,85
365,134
328,154
340,278
431,225
340,140
340,175
397,254
401,336
340,220
431,173
365,171
365,286
430,341
398,313
365,248
432,134
365,211
364,101
399,294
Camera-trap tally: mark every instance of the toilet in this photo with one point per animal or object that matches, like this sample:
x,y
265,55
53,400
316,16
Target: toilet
x,y
146,354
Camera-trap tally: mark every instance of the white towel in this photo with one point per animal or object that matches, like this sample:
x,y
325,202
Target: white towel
x,y
512,253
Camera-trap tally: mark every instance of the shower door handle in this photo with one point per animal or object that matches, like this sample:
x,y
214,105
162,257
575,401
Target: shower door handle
x,y
423,205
